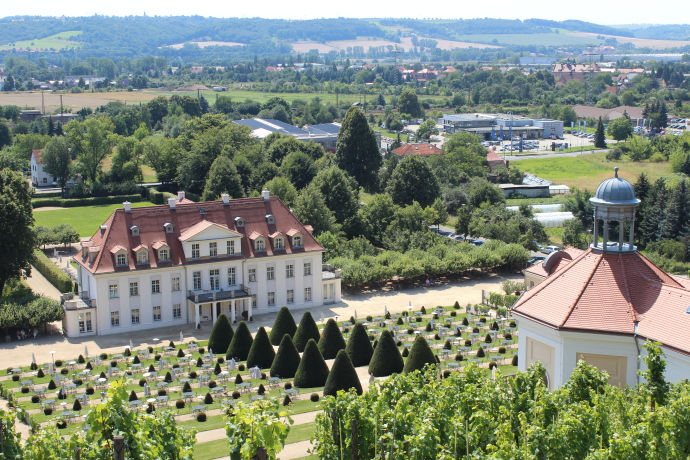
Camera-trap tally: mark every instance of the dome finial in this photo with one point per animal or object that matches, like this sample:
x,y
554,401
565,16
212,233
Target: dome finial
x,y
615,172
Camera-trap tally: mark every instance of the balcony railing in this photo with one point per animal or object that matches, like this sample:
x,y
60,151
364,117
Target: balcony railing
x,y
213,296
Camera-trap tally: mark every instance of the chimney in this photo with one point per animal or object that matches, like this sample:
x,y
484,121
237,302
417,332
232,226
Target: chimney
x,y
226,198
128,206
172,202
180,196
266,194
103,229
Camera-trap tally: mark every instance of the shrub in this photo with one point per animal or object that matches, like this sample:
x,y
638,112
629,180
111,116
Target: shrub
x,y
502,350
220,360
157,358
133,396
261,353
176,366
81,359
150,408
142,382
494,326
76,407
342,376
162,392
468,343
306,330
150,349
514,361
492,365
241,343
437,337
136,360
386,359
286,401
446,374
241,368
435,316
202,350
236,395
221,335
423,310
52,272
513,324
418,319
193,375
61,395
51,384
482,320
453,313
475,330
331,342
212,384
448,345
40,374
410,331
58,362
15,378
113,363
64,371
47,411
465,322
217,370
263,376
25,390
314,397
287,359
287,386
312,370
61,424
35,399
480,353
180,353
261,390
428,327
180,404
168,377
420,355
127,352
283,324
151,368
508,336
370,318
186,388
488,339
238,379
458,357
398,343
208,399
405,352
90,391
78,202
400,321
104,356
456,305
358,348
201,416
199,362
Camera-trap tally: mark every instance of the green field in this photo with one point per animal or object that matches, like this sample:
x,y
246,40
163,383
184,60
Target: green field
x,y
60,41
85,219
528,39
588,171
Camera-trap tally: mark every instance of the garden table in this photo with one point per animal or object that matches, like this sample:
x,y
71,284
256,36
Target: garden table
x,y
197,409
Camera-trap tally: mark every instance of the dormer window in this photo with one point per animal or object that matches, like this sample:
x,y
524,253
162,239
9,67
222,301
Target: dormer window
x,y
239,222
135,230
260,244
121,260
169,228
297,241
270,219
142,254
120,254
163,254
279,243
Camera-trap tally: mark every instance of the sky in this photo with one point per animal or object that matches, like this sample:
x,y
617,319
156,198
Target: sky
x,y
585,10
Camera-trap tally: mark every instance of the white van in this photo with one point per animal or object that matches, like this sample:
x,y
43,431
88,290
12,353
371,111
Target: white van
x,y
550,249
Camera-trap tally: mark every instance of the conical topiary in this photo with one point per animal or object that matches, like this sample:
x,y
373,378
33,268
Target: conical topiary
x,y
342,376
406,352
187,388
306,330
456,305
180,353
480,353
465,322
241,343
287,359
238,379
217,370
420,355
514,361
76,407
286,401
133,396
261,354
208,399
221,335
284,324
359,347
386,359
312,370
331,341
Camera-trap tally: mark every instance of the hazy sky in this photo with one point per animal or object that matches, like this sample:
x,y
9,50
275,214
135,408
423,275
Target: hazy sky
x,y
587,10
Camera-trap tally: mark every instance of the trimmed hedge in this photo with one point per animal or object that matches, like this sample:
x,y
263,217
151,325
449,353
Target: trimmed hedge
x,y
342,376
420,355
241,343
157,197
306,330
283,324
221,335
75,202
287,359
386,359
331,342
359,347
52,272
261,354
312,371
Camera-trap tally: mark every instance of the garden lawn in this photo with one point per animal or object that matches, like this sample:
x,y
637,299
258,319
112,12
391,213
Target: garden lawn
x,y
588,171
85,219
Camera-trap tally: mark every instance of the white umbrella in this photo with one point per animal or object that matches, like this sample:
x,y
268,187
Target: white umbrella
x,y
147,393
210,352
63,388
86,399
256,372
231,364
322,317
160,364
131,345
86,351
355,315
33,359
385,310
110,371
147,354
181,337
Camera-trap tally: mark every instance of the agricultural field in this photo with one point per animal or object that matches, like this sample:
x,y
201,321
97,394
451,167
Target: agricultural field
x,y
178,46
31,99
59,41
588,171
85,219
450,44
530,39
638,42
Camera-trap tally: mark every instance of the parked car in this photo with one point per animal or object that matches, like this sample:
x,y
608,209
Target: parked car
x,y
539,246
536,260
550,249
476,242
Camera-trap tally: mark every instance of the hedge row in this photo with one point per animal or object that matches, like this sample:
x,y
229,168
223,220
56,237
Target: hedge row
x,y
70,203
156,197
52,272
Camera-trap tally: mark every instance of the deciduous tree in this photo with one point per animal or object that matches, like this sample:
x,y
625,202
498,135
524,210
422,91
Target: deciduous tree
x,y
58,161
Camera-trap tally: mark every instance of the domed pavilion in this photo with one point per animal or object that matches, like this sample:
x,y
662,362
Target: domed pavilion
x,y
601,304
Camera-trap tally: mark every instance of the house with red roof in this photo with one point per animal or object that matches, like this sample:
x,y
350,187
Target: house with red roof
x,y
188,262
40,178
600,305
417,149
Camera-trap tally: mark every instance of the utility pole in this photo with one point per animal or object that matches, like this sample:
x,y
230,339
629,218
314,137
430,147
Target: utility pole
x,y
43,103
61,110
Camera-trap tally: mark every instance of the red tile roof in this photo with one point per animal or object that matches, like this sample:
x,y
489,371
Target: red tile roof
x,y
36,154
151,220
419,149
542,269
608,293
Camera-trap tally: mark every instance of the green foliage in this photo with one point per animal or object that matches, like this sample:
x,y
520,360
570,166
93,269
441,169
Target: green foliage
x,y
657,386
413,181
222,178
306,330
420,356
386,359
259,424
311,209
241,343
408,103
282,188
620,129
287,359
359,347
52,272
574,234
221,335
357,152
261,354
36,312
342,376
331,342
283,324
599,137
427,129
312,371
16,220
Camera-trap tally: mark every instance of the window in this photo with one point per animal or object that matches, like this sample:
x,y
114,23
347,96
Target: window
x,y
213,249
135,230
163,255
231,248
155,286
142,257
307,294
133,288
252,274
113,291
215,279
232,279
177,310
271,299
196,277
85,322
239,222
297,241
135,316
114,318
289,271
270,273
279,243
260,245
307,268
253,300
121,259
291,296
195,251
169,228
157,313
176,283
270,219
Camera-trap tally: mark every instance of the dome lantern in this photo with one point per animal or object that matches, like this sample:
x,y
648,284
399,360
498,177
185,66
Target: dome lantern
x,y
614,201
